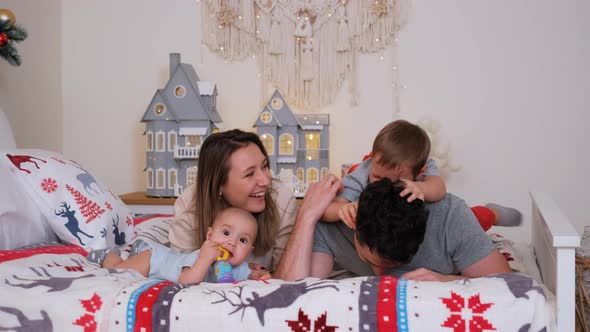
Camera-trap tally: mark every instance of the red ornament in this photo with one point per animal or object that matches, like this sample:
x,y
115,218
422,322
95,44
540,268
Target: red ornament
x,y
3,39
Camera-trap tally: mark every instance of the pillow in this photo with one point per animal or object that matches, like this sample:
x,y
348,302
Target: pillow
x,y
21,221
6,136
78,208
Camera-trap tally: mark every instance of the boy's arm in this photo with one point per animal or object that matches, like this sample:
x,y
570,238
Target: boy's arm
x,y
331,214
432,187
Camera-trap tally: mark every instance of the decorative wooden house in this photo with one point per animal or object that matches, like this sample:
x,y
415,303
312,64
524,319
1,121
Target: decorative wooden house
x,y
178,119
297,144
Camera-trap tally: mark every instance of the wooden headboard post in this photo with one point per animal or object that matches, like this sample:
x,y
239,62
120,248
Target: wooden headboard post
x,y
554,240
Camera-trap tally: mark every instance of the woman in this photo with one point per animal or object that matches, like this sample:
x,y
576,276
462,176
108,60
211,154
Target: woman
x,y
234,171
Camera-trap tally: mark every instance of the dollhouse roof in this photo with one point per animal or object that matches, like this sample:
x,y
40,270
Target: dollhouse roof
x,y
159,97
206,88
203,108
274,121
313,121
282,116
194,81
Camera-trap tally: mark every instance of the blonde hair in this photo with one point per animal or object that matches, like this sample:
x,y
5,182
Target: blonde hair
x,y
402,142
214,166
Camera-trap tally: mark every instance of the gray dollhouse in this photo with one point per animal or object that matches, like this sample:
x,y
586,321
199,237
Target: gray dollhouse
x,y
297,144
178,119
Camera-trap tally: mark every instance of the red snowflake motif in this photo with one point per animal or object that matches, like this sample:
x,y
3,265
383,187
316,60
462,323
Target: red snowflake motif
x,y
87,322
49,185
93,304
129,221
303,323
473,313
109,206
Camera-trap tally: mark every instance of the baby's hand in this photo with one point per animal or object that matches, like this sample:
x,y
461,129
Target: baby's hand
x,y
209,251
412,188
347,214
259,272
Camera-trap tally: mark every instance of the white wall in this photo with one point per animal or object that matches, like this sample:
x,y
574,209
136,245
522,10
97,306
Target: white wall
x,y
506,80
31,93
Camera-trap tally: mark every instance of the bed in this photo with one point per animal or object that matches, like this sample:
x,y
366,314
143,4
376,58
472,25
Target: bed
x,y
52,287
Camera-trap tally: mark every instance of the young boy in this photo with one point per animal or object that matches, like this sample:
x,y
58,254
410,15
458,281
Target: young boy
x,y
233,229
400,152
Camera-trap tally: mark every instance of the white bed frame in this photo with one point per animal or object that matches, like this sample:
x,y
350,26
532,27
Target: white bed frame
x,y
554,240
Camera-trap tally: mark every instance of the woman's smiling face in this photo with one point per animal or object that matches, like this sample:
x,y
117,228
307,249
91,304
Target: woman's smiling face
x,y
248,179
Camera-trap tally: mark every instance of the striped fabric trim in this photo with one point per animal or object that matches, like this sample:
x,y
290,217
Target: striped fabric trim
x,y
132,304
402,313
145,303
9,255
161,309
387,317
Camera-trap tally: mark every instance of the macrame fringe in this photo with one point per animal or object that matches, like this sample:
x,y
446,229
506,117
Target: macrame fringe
x,y
309,73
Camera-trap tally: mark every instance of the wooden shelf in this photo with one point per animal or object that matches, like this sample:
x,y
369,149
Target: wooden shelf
x,y
140,198
139,202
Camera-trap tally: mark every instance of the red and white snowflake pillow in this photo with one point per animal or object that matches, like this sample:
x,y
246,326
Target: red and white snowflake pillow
x,y
79,208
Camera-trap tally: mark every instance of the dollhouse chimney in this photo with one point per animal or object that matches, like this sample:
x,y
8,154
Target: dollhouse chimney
x,y
174,62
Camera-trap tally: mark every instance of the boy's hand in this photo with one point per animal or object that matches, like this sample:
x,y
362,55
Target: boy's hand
x,y
259,272
413,189
347,214
209,251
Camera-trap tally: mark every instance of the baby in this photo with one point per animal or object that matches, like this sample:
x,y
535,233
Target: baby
x,y
234,230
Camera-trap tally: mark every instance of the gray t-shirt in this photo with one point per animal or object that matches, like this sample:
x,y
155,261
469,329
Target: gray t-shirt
x,y
453,241
355,182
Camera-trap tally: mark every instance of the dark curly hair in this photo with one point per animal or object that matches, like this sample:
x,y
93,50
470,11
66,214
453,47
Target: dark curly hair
x,y
390,226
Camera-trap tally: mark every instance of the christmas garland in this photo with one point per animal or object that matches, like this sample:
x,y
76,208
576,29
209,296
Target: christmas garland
x,y
10,33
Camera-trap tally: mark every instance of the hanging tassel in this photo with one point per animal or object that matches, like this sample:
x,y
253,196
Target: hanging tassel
x,y
343,38
275,46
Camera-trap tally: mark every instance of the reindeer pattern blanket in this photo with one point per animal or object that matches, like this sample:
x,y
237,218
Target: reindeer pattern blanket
x,y
54,288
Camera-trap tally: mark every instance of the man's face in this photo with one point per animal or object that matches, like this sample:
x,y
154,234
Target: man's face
x,y
379,171
378,264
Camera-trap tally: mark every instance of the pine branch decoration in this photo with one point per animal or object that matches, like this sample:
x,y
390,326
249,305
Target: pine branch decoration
x,y
8,36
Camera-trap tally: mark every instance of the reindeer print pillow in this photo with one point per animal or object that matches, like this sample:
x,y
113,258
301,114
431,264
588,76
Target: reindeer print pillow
x,y
79,209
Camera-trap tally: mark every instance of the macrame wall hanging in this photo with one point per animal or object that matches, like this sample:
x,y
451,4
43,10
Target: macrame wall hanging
x,y
305,48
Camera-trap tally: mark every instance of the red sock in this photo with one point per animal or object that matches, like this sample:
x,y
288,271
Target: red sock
x,y
485,216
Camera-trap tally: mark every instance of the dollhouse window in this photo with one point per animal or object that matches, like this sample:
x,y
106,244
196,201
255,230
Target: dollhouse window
x,y
312,145
160,141
265,117
150,178
191,175
300,175
276,104
268,142
286,144
149,140
312,175
160,109
160,178
324,172
172,178
171,140
180,91
193,140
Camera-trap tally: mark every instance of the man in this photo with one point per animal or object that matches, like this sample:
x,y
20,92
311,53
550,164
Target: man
x,y
441,241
